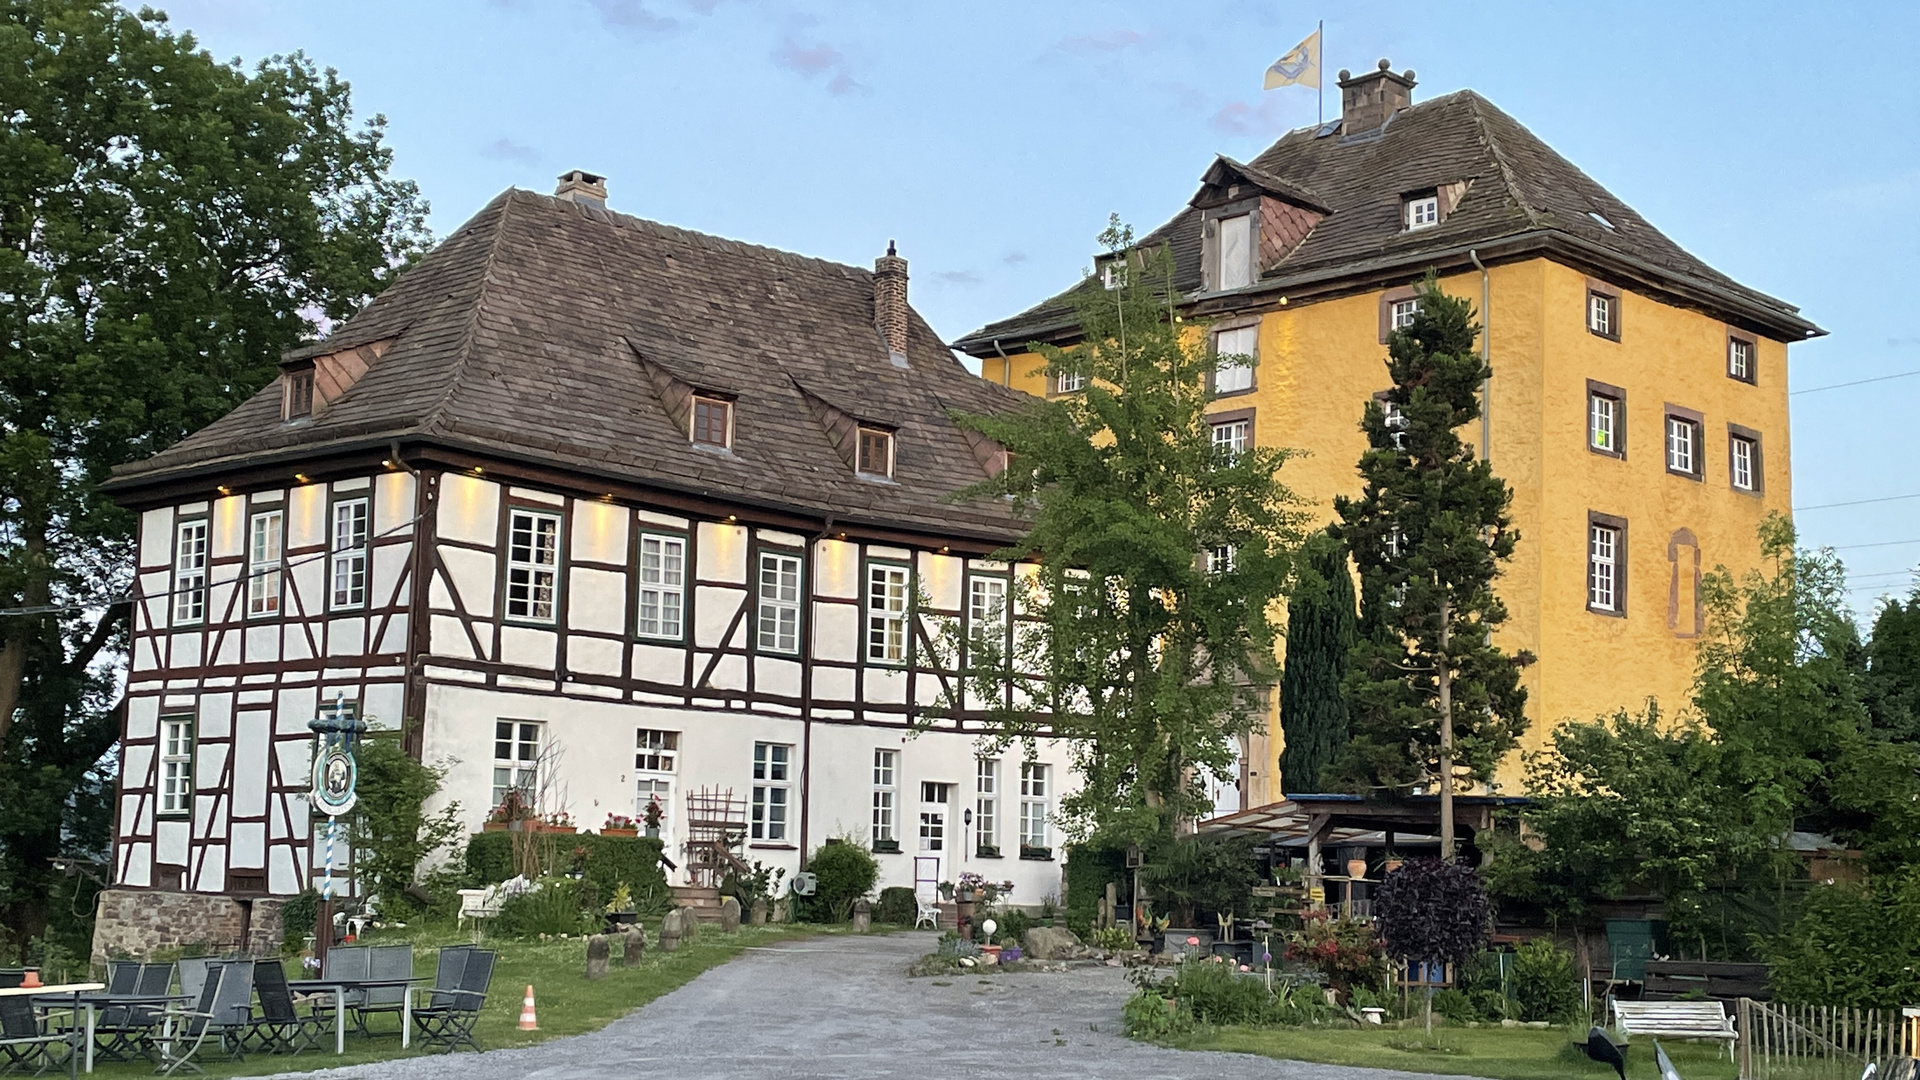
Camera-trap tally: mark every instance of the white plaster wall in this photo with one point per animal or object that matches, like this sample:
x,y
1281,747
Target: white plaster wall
x,y
307,517
599,533
722,552
469,509
156,538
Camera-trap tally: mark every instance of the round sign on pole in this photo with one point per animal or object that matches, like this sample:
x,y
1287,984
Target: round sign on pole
x,y
335,777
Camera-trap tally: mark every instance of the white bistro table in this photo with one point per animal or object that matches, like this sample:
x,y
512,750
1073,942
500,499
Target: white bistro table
x,y
339,988
63,990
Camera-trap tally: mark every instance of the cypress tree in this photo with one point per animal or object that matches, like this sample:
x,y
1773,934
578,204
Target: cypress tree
x,y
1320,634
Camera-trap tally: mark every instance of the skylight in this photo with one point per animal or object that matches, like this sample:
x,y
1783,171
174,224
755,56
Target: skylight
x,y
1601,218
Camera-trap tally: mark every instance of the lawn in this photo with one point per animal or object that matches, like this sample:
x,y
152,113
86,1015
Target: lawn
x,y
567,1003
1495,1053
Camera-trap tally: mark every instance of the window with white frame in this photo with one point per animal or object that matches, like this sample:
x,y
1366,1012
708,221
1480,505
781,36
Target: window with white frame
x,y
886,613
190,572
1603,423
533,565
1234,355
1603,567
1231,439
1603,314
1068,382
1396,542
1423,211
987,603
263,564
934,798
655,751
663,572
886,770
176,765
1740,459
654,789
1740,359
1220,559
1401,314
347,556
1395,421
779,602
772,786
1033,804
1235,252
986,803
1683,445
516,759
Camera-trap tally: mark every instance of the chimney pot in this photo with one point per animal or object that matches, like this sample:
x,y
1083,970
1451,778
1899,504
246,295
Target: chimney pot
x,y
583,187
890,314
1368,101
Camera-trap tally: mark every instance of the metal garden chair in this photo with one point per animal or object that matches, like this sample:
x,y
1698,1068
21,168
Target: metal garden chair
x,y
384,962
222,1010
26,1038
447,1020
280,1025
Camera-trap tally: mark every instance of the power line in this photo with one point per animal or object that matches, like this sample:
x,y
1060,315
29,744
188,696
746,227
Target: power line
x,y
1882,543
1857,502
1856,382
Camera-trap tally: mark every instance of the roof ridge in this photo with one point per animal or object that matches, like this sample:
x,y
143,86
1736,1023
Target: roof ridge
x,y
430,418
1498,153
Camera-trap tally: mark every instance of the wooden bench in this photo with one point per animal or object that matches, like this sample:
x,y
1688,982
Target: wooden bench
x,y
1675,1019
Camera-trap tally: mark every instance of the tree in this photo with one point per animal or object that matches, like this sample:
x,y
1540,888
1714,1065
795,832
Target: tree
x,y
1429,692
1854,944
1431,912
392,832
1320,637
1159,558
1191,874
168,226
1891,681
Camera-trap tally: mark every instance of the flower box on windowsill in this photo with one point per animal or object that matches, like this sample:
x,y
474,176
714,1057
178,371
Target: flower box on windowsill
x,y
986,852
619,832
1042,854
886,847
566,830
496,826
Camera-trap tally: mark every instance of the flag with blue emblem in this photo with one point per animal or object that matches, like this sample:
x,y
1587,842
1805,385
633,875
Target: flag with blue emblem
x,y
1299,67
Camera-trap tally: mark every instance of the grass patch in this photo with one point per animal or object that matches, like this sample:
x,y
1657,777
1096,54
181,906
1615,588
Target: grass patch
x,y
567,1003
1496,1053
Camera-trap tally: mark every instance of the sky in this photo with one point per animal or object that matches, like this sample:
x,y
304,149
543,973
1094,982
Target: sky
x,y
1780,142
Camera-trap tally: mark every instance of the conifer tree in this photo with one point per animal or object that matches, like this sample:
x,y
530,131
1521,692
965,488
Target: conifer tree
x,y
1432,699
1320,635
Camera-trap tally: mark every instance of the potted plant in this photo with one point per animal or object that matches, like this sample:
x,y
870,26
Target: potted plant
x,y
886,847
620,910
652,816
987,851
1032,851
558,822
497,820
509,815
619,825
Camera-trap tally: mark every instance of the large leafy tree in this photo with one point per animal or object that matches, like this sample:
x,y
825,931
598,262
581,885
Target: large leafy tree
x,y
168,225
1891,682
1320,638
1431,696
1160,557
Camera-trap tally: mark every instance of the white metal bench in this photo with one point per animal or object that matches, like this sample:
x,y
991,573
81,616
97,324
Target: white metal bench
x,y
1675,1020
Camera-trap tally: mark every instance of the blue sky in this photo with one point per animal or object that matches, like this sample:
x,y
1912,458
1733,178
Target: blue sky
x,y
1778,141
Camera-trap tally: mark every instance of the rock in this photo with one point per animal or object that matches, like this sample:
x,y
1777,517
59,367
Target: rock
x,y
729,915
758,915
1052,943
635,945
782,910
672,930
597,952
862,916
1509,1023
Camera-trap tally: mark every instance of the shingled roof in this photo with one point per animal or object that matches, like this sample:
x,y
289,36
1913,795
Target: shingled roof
x,y
1522,198
529,333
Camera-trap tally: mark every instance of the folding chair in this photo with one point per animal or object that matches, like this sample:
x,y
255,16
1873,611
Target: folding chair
x,y
188,1028
26,1038
447,1020
349,963
280,1025
384,962
128,1028
193,974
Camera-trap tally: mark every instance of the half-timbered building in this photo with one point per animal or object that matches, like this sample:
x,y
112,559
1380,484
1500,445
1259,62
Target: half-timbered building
x,y
649,511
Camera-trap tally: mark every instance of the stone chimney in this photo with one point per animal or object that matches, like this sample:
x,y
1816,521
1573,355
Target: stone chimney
x,y
1368,101
890,302
583,187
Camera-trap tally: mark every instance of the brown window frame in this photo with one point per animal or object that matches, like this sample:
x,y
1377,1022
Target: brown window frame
x,y
1232,416
1674,412
1619,527
1612,295
297,395
1736,433
1387,300
860,460
1213,349
1618,396
710,402
1736,337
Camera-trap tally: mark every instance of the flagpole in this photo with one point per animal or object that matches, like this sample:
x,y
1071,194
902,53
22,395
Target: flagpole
x,y
1320,76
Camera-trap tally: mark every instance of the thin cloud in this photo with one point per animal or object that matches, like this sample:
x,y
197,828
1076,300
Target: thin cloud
x,y
1014,258
633,15
1104,42
965,279
1242,118
504,149
810,61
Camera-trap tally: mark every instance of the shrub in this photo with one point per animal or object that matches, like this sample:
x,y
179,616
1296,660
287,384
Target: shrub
x,y
297,917
607,861
1431,912
1546,982
897,906
761,882
1346,952
1852,945
1217,993
554,909
392,833
1111,938
845,872
1201,875
1150,1015
1013,923
1089,868
1455,1005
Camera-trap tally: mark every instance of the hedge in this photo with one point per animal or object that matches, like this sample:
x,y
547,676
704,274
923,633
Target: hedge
x,y
608,861
1090,866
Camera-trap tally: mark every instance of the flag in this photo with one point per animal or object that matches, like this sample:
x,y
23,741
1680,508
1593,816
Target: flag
x,y
1300,67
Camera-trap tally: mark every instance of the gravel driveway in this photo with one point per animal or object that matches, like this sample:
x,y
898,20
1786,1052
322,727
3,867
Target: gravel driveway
x,y
843,1007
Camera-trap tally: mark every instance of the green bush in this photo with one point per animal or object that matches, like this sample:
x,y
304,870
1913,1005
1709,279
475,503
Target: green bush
x,y
1217,993
1853,945
1455,1005
553,909
1012,923
845,872
1090,866
897,906
391,831
607,861
1197,877
1546,981
1152,1016
297,917
1111,938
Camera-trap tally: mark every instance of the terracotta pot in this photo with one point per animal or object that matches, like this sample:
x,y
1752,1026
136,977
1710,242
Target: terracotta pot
x,y
494,826
1395,864
619,832
1356,868
565,830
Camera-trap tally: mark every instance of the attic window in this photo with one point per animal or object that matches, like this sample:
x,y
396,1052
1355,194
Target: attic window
x,y
1235,250
1423,211
1114,275
876,453
712,422
298,398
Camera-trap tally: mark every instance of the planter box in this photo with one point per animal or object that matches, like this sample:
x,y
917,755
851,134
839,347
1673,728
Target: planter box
x,y
619,832
564,830
886,847
985,852
495,826
1044,854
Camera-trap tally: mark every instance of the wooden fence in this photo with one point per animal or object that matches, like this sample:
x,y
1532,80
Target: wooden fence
x,y
1821,1042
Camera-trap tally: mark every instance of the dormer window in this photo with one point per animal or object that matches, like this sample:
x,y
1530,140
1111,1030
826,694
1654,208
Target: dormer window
x,y
1114,275
297,398
1235,252
712,422
1423,211
876,453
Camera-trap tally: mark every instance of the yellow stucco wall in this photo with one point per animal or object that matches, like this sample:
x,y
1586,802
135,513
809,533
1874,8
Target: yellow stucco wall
x,y
1320,362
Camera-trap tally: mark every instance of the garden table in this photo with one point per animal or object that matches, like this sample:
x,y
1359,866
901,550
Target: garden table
x,y
339,988
93,1002
73,990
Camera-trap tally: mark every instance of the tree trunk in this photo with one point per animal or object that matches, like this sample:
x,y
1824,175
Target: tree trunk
x,y
1446,740
13,652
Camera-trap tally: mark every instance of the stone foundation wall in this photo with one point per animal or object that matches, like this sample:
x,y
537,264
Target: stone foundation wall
x,y
135,922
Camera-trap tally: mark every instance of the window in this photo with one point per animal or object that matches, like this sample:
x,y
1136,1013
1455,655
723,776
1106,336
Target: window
x,y
887,613
516,759
986,804
1603,313
987,603
1114,275
1423,211
1683,445
663,570
655,751
713,422
1033,805
1396,542
299,400
1744,466
1220,559
1603,567
876,452
1403,312
263,565
1230,439
933,815
1234,357
771,786
349,555
653,789
176,765
885,772
1235,247
190,572
1395,421
1068,382
533,565
1740,359
779,602
1606,419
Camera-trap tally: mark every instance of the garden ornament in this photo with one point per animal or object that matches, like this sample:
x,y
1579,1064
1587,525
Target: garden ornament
x,y
1602,1049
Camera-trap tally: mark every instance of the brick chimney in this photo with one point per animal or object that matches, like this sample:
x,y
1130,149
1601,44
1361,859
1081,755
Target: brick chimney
x,y
583,187
1368,101
890,302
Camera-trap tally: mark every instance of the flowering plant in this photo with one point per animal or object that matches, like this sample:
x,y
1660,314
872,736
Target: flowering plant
x,y
986,892
619,821
560,819
654,812
1347,952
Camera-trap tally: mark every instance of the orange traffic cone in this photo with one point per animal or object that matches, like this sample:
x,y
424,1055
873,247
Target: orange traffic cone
x,y
528,1021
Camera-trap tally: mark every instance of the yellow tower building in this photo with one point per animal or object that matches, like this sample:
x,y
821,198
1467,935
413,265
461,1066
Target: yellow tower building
x,y
1638,405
